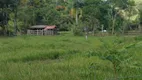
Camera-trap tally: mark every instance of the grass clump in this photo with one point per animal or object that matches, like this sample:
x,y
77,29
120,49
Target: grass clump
x,y
138,38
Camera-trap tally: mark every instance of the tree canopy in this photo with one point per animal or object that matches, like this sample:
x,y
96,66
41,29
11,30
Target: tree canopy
x,y
113,15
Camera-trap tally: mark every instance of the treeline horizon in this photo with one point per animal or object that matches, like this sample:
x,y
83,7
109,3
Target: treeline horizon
x,y
114,16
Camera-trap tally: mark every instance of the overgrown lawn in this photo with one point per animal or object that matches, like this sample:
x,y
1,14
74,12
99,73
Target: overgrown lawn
x,y
65,57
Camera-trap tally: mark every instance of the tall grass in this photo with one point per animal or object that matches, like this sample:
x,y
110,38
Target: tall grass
x,y
64,57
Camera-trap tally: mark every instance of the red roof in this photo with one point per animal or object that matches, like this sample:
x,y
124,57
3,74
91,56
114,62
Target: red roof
x,y
49,27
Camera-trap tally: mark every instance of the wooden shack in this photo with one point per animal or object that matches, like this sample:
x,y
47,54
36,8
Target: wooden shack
x,y
42,30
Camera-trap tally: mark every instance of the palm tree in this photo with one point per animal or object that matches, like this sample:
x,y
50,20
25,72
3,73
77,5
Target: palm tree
x,y
77,4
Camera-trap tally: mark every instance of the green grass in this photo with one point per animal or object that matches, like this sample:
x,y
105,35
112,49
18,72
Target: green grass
x,y
63,57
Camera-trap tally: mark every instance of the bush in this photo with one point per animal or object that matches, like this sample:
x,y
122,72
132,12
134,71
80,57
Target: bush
x,y
138,38
78,30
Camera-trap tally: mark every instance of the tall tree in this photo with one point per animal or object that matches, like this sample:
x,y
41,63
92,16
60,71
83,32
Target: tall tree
x,y
5,8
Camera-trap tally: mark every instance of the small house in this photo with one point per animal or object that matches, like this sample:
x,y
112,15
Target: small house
x,y
42,30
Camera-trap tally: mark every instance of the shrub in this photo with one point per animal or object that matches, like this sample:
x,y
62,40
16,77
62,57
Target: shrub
x,y
78,31
138,38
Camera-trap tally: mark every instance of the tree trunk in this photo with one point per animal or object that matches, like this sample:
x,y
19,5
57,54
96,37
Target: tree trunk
x,y
102,30
33,21
76,16
94,29
113,24
123,28
15,23
6,27
140,28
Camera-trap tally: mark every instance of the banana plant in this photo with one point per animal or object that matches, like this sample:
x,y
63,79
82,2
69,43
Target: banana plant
x,y
119,57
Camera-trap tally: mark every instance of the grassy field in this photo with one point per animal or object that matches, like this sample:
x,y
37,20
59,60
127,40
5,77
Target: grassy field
x,y
67,57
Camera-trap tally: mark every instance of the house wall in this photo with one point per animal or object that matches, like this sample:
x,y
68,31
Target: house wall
x,y
35,32
41,32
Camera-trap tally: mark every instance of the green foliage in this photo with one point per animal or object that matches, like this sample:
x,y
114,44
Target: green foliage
x,y
68,57
78,30
120,58
116,16
141,16
138,38
20,24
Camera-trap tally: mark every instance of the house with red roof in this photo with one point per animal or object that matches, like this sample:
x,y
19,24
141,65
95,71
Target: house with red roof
x,y
42,30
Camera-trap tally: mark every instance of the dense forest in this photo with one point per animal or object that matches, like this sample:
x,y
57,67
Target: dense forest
x,y
115,16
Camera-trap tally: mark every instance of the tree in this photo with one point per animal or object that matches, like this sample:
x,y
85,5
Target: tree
x,y
5,7
77,4
94,12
